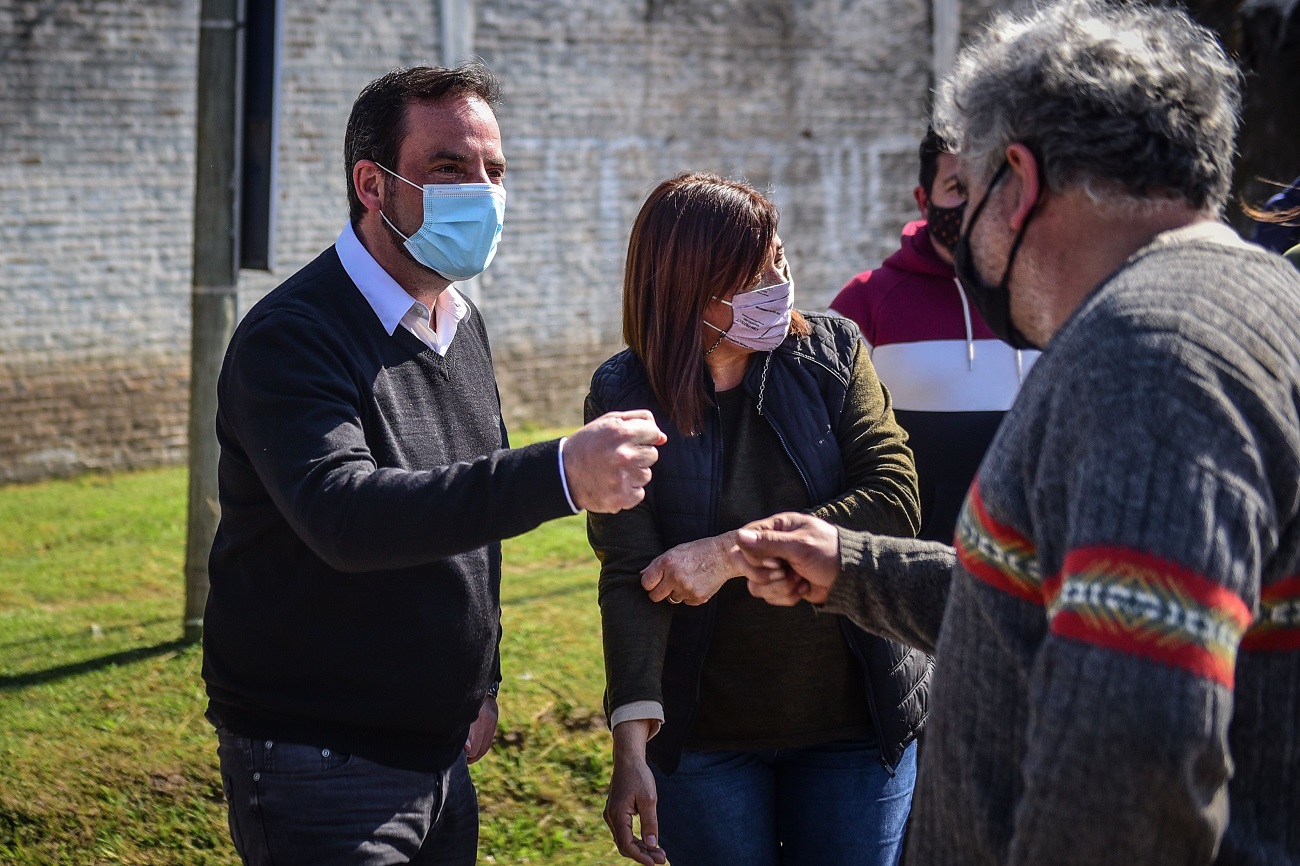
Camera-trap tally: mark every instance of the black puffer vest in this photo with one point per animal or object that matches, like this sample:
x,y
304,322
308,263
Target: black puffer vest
x,y
799,389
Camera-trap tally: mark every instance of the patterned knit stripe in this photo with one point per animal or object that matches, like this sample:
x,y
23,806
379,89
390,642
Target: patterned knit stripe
x,y
1278,625
1142,605
995,553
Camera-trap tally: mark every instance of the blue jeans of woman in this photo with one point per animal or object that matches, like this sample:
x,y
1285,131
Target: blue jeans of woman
x,y
292,803
828,804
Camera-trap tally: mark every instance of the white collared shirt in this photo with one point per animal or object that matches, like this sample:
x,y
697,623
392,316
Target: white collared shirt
x,y
393,305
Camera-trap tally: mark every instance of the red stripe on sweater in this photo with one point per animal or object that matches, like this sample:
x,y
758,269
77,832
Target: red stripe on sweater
x,y
1286,589
1123,562
994,553
1278,627
1006,537
1190,657
1150,607
995,577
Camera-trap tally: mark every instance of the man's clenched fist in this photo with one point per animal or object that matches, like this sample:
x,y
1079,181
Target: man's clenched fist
x,y
607,462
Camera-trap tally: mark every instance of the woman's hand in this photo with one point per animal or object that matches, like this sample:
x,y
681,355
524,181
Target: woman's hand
x,y
632,792
692,572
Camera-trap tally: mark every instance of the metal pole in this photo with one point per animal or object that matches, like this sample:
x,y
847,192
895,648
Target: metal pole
x,y
456,46
216,275
946,37
455,31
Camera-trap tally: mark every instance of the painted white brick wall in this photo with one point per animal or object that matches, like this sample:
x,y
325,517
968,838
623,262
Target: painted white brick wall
x,y
96,180
819,101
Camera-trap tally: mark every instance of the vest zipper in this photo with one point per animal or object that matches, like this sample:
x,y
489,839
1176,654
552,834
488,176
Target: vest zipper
x,y
807,485
871,698
853,647
709,610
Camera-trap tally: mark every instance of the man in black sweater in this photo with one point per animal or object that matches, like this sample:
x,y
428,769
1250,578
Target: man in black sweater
x,y
351,631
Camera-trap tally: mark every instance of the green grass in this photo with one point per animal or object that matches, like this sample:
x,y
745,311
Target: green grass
x,y
105,757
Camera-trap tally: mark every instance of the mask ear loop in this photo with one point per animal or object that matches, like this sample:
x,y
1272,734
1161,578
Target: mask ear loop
x,y
398,176
979,208
381,212
722,336
389,223
1024,226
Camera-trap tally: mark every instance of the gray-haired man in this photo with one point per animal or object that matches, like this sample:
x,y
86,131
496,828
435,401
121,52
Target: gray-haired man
x,y
1118,629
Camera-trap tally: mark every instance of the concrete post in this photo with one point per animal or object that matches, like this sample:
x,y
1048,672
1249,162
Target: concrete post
x,y
455,31
946,36
216,275
455,46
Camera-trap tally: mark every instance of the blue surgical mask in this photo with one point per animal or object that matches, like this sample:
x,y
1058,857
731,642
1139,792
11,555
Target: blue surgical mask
x,y
461,229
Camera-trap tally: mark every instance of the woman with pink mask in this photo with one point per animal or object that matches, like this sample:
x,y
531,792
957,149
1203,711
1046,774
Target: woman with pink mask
x,y
745,733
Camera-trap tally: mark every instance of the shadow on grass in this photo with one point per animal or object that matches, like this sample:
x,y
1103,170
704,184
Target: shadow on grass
x,y
19,681
81,632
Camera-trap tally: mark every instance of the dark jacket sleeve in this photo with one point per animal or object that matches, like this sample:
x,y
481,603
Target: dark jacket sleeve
x,y
634,628
290,421
882,495
892,585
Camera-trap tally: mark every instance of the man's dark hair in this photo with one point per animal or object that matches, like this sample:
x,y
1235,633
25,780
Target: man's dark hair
x,y
931,146
377,126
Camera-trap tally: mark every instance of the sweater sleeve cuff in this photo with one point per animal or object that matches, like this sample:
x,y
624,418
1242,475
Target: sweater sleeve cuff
x,y
652,710
564,479
845,594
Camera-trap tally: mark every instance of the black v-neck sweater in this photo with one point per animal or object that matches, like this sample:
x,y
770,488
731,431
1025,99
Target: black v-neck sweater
x,y
364,487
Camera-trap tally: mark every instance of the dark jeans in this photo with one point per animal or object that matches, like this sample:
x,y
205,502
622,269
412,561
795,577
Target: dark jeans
x,y
828,804
291,803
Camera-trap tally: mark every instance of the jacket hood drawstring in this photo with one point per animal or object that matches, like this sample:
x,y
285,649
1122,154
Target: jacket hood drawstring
x,y
970,338
970,333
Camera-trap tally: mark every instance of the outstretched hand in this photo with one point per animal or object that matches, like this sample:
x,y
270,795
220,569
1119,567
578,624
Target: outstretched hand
x,y
789,557
607,462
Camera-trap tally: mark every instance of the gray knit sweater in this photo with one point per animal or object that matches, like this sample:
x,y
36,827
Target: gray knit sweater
x,y
1118,630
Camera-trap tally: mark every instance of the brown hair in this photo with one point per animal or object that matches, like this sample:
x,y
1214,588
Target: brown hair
x,y
1278,215
698,236
1288,217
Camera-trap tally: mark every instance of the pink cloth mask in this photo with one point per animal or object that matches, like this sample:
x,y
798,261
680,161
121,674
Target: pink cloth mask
x,y
760,318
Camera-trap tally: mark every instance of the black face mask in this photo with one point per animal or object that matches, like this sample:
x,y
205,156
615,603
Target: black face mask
x,y
944,223
993,301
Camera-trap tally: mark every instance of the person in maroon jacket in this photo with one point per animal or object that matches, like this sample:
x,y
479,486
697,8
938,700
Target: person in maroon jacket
x,y
951,379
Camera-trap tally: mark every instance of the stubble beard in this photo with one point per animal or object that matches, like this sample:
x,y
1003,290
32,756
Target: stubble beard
x,y
399,242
